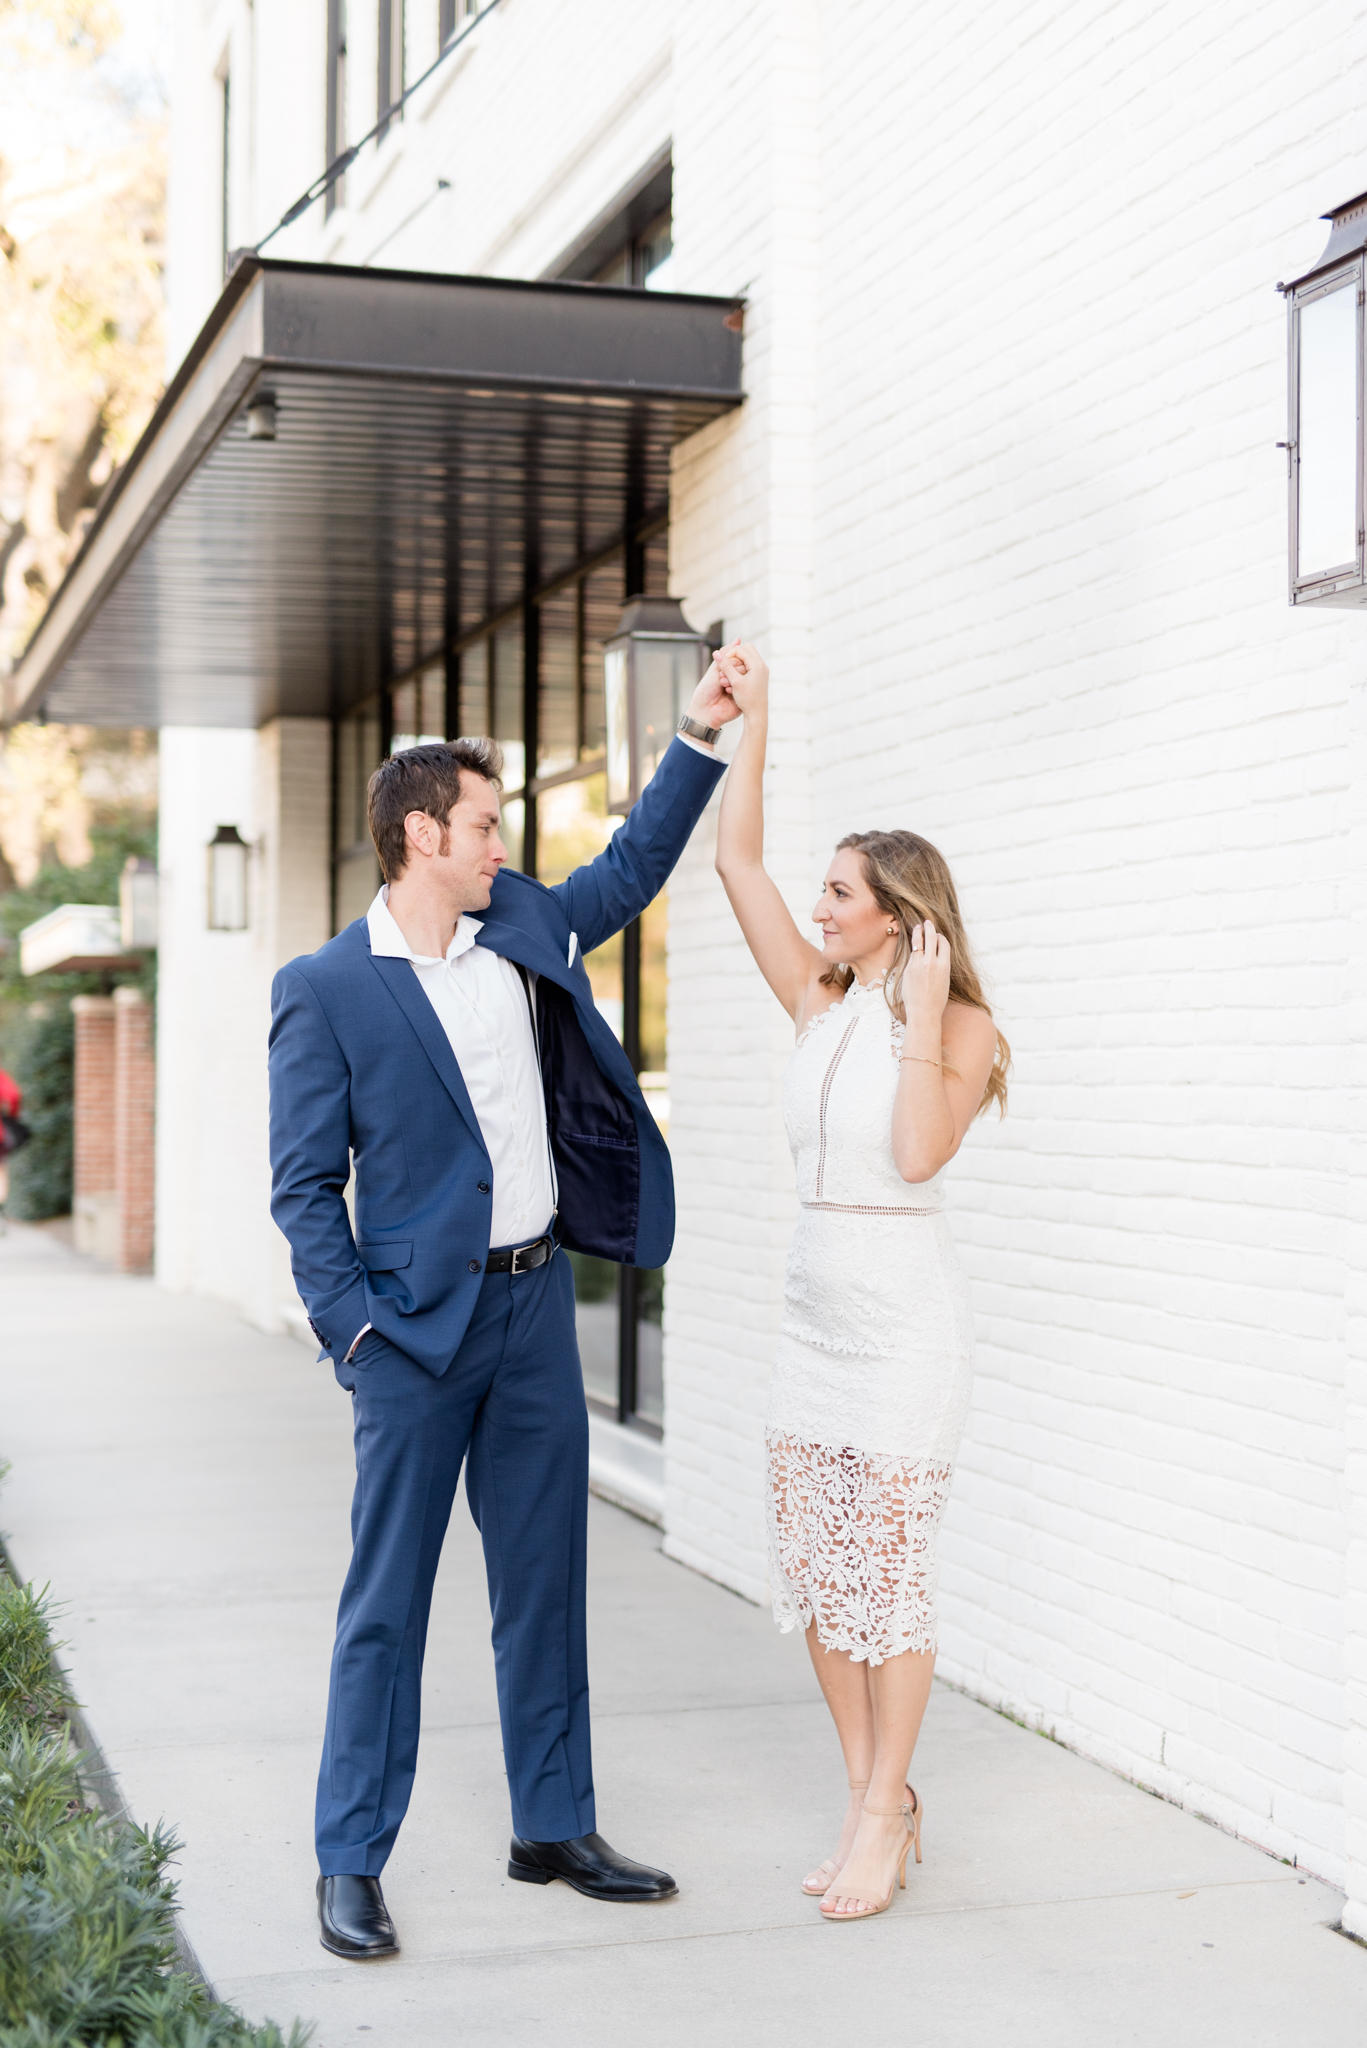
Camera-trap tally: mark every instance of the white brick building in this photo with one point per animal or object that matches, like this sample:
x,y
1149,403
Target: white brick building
x,y
1004,507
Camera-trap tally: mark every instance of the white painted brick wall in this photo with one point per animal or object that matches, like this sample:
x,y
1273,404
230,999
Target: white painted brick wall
x,y
1004,507
1048,627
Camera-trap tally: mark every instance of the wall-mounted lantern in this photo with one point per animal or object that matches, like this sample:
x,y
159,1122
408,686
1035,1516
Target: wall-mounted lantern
x,y
138,905
228,880
1325,442
651,667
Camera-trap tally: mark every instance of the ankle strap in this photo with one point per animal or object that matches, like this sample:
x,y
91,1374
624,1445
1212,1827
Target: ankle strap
x,y
904,1812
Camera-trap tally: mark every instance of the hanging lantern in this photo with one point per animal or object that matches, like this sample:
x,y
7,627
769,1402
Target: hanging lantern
x,y
228,880
651,667
1324,444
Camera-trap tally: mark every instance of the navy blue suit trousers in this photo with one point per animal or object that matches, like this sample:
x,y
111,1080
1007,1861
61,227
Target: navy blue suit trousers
x,y
512,1405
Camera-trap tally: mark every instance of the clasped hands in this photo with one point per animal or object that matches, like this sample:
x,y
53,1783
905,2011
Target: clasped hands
x,y
737,681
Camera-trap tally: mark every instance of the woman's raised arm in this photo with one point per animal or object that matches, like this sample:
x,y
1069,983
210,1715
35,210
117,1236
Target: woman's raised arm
x,y
788,963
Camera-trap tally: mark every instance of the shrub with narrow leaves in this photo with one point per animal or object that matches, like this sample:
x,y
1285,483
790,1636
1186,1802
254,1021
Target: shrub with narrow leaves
x,y
87,1911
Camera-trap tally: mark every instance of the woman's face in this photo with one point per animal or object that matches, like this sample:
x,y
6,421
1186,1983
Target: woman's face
x,y
853,926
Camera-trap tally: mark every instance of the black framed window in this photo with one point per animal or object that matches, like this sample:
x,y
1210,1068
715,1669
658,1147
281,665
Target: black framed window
x,y
389,84
645,259
536,685
453,14
226,167
336,99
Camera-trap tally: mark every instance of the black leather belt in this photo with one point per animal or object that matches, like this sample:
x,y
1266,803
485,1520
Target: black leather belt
x,y
522,1258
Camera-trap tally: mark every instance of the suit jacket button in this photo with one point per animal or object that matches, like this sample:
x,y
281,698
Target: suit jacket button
x,y
484,1187
474,1265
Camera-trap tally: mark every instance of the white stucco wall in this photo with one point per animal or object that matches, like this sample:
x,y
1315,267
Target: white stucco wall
x,y
214,1231
1004,508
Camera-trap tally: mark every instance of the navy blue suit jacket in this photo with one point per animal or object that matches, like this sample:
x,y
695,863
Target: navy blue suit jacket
x,y
359,1065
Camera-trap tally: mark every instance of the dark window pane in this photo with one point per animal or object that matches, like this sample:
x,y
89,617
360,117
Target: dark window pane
x,y
358,756
511,829
356,870
476,721
558,721
654,983
595,1314
650,1383
617,270
602,616
654,250
506,694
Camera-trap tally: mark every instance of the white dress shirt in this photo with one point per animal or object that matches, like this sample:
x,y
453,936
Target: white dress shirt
x,y
481,1005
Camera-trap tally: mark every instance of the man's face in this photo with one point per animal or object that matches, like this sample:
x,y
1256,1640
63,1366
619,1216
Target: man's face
x,y
466,853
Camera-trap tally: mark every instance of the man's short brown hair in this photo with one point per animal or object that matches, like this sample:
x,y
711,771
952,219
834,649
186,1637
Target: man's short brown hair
x,y
423,779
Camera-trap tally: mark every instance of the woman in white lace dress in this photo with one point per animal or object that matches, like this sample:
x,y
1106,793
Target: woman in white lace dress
x,y
896,1054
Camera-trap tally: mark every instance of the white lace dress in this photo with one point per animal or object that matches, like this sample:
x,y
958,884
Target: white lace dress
x,y
875,1357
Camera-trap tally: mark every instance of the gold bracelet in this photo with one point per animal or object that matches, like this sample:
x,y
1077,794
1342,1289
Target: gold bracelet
x,y
925,1062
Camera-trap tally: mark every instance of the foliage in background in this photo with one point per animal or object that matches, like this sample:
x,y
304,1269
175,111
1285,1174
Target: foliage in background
x,y
57,782
87,1929
82,205
36,1026
40,1053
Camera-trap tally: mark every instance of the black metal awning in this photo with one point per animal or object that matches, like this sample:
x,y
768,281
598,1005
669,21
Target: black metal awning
x,y
446,448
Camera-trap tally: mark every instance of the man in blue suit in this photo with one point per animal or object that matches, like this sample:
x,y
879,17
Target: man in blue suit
x,y
448,1046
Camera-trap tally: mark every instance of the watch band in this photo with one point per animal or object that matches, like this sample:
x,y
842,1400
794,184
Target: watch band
x,y
696,730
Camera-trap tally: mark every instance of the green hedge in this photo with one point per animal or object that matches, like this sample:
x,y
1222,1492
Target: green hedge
x,y
36,1025
40,1053
87,1913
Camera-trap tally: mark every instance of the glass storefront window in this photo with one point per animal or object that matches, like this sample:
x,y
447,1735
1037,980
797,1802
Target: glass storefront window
x,y
419,713
559,712
356,872
596,1326
476,712
505,694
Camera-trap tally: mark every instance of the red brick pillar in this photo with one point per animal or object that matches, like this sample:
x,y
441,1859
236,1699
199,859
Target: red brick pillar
x,y
134,1129
93,1199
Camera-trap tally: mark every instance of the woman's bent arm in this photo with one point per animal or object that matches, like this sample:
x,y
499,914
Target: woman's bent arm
x,y
947,1054
788,963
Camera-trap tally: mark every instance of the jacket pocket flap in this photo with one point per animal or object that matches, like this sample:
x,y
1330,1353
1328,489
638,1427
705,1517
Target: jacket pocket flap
x,y
385,1258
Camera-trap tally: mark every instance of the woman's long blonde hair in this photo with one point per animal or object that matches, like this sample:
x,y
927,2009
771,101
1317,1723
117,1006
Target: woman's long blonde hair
x,y
910,880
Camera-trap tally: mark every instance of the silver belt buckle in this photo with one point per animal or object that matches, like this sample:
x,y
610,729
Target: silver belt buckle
x,y
517,1254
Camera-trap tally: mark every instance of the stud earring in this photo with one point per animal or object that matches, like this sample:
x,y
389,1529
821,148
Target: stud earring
x,y
892,931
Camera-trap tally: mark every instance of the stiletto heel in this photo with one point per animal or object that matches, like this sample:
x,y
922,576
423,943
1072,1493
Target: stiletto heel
x,y
910,1811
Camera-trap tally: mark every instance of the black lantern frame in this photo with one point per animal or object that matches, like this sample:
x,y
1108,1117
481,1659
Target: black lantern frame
x,y
651,667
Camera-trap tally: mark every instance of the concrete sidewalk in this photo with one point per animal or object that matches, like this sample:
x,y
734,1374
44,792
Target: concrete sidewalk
x,y
183,1482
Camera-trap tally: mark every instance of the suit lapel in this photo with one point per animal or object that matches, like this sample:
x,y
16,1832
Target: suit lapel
x,y
515,943
407,991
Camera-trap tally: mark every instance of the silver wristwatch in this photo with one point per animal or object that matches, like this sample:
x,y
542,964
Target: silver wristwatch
x,y
696,730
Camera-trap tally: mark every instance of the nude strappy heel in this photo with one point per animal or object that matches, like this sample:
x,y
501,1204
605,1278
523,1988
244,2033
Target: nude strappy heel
x,y
911,1817
814,1891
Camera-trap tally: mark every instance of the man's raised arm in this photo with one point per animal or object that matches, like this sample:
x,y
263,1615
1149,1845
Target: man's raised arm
x,y
607,893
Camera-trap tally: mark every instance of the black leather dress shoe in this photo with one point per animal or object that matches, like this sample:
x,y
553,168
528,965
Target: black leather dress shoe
x,y
592,1866
354,1919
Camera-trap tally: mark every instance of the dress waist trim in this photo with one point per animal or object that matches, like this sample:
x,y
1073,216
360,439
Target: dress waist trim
x,y
871,1209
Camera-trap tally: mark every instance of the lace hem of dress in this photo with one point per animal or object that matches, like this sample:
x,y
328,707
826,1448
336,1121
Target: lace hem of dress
x,y
852,1545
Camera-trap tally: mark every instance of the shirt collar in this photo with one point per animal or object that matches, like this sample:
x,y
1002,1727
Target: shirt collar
x,y
387,942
